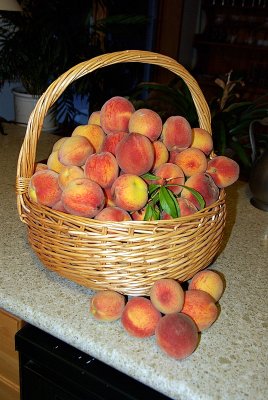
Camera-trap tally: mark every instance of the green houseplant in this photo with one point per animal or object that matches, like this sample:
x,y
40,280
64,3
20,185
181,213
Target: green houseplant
x,y
43,41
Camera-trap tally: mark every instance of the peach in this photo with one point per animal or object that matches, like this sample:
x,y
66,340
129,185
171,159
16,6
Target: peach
x,y
186,208
172,155
83,197
58,143
223,170
113,214
176,133
68,174
191,161
75,150
201,307
202,140
44,187
171,176
102,168
40,166
140,317
204,185
107,305
139,214
167,295
94,118
176,335
161,154
208,281
54,163
109,202
146,122
115,114
135,154
111,141
59,207
94,134
129,192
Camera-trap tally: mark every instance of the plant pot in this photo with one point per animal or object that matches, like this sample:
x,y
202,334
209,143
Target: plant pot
x,y
24,104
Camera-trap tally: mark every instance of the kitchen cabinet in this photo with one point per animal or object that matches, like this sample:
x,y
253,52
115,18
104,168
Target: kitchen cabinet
x,y
9,362
233,36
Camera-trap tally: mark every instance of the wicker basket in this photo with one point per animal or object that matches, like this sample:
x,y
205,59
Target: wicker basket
x,y
128,256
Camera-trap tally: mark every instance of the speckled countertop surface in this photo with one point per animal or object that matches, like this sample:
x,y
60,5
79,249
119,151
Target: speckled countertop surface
x,y
231,359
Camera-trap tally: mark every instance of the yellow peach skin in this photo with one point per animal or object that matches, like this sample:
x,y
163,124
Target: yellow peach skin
x,y
94,133
208,281
129,192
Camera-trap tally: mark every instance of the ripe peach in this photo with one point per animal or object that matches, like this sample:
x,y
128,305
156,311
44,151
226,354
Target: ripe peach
x,y
58,143
172,155
146,122
161,154
201,307
44,187
111,141
186,208
202,140
102,168
94,118
107,305
204,184
140,317
135,154
75,150
139,214
191,161
109,202
94,133
177,335
223,170
113,214
68,174
208,281
176,133
170,174
115,114
59,207
83,197
129,192
40,166
53,162
167,295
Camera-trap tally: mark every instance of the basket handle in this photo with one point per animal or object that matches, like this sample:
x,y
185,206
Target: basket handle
x,y
26,160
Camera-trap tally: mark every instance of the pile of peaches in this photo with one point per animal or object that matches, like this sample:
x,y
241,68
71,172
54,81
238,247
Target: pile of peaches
x,y
127,164
174,316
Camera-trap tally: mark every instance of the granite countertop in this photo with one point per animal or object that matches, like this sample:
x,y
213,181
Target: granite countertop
x,y
231,359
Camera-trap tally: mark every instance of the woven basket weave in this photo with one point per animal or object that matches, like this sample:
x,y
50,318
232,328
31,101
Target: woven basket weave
x,y
123,256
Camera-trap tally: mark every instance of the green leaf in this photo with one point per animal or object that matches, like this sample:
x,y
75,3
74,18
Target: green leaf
x,y
153,188
149,176
167,202
236,106
197,195
151,213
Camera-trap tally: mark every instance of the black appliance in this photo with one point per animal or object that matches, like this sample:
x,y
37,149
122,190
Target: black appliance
x,y
53,370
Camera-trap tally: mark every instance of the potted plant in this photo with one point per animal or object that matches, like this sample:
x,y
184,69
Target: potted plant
x,y
43,41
